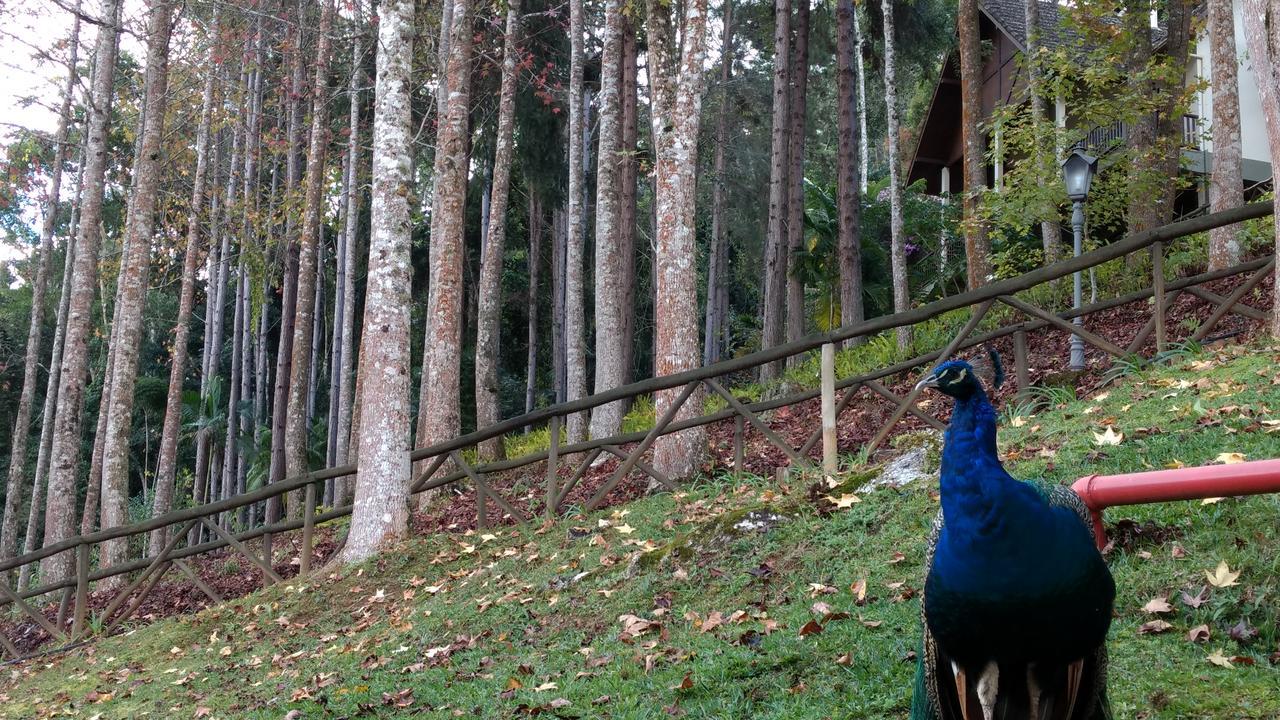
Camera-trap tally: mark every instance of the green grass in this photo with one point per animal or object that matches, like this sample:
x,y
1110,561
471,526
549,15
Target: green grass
x,y
527,621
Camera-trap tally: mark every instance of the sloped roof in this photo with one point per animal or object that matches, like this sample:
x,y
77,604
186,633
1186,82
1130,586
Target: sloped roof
x,y
1011,17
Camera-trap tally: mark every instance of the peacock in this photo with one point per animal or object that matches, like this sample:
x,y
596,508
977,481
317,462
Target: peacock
x,y
1018,600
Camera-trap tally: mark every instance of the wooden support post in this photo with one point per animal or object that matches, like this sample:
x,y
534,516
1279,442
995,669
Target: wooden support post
x,y
82,591
483,487
737,445
974,318
308,530
159,560
1141,338
240,547
644,446
194,577
816,435
133,606
1022,372
1245,288
581,470
830,461
553,467
8,647
63,606
645,467
1157,288
482,507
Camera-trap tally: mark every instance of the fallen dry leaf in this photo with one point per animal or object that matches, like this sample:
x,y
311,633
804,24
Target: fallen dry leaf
x,y
1217,658
1199,634
1154,627
1158,605
1109,437
1230,458
1222,576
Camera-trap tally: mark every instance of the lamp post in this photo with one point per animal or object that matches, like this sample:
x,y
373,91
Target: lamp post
x,y
1078,171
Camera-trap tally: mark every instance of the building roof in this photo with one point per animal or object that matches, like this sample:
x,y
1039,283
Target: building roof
x,y
1010,16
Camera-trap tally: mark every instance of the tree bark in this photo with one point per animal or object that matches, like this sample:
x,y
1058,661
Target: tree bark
x,y
677,81
15,486
381,511
489,320
575,316
168,461
65,451
1227,184
535,268
606,419
718,256
1050,229
795,188
348,295
848,195
977,245
440,419
627,197
897,243
863,162
559,237
1261,18
297,426
775,255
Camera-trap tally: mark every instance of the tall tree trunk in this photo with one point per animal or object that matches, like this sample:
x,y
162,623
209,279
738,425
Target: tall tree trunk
x,y
381,511
236,425
575,316
348,298
863,163
977,245
559,238
848,169
297,429
1050,230
606,420
16,484
718,257
289,288
535,268
677,80
627,197
65,452
488,339
897,243
1261,18
1227,184
35,513
186,300
795,173
440,418
775,252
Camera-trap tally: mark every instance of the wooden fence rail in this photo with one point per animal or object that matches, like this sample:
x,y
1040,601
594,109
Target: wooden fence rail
x,y
71,620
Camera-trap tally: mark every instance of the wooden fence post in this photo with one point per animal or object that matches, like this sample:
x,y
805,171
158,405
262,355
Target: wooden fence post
x,y
308,530
829,449
82,590
1157,288
553,466
1021,370
738,421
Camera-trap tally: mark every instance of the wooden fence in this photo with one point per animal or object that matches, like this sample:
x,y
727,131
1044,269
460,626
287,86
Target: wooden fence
x,y
70,624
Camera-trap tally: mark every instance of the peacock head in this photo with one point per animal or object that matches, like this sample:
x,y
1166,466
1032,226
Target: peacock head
x,y
955,378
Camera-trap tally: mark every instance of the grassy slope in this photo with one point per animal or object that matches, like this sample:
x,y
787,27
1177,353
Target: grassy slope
x,y
526,622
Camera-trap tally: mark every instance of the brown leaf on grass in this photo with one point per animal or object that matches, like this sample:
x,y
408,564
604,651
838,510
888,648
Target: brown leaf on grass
x,y
1217,658
1195,601
1222,576
1158,605
845,659
896,558
859,590
685,684
1242,632
1199,634
1154,627
810,628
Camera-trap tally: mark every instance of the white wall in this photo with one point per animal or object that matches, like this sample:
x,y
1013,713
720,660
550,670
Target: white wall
x,y
1253,136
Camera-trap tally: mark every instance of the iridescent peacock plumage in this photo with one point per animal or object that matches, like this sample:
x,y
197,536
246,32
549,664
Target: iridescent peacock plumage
x,y
1018,599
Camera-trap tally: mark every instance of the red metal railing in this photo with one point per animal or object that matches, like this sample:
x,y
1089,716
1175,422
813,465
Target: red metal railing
x,y
1104,491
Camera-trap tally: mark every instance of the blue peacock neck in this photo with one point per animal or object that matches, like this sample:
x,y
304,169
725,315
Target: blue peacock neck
x,y
973,482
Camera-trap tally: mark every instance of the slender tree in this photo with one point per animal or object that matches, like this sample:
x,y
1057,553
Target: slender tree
x,y
897,243
535,269
858,42
1261,18
606,419
1227,183
977,245
441,416
575,316
1050,230
627,186
677,81
297,425
718,257
488,340
775,256
16,485
381,511
65,451
168,461
848,169
795,173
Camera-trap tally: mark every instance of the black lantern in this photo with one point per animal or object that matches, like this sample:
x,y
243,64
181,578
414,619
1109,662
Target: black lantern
x,y
1078,171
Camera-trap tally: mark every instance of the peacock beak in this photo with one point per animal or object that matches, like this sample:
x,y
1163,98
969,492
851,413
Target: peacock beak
x,y
928,381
